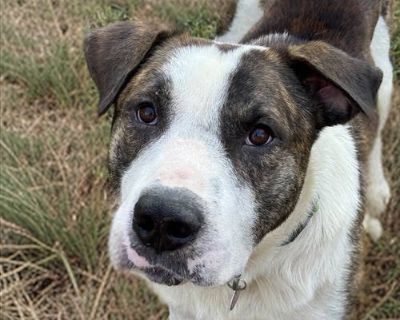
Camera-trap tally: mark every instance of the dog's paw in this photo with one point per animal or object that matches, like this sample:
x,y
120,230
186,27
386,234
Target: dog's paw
x,y
377,197
373,227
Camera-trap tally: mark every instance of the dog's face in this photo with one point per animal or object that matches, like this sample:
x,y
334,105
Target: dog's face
x,y
213,131
210,143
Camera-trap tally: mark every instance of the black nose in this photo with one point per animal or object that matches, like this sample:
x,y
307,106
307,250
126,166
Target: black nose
x,y
167,219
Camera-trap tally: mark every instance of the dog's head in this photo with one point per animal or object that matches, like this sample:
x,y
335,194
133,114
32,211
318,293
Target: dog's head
x,y
210,142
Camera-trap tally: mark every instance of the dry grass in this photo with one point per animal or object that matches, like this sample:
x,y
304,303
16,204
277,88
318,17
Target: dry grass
x,y
54,208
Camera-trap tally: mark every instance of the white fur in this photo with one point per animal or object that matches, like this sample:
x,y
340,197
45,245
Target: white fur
x,y
302,280
248,12
272,37
380,51
378,190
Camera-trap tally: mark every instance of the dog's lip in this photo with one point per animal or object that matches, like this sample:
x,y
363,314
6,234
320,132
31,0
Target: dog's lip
x,y
164,276
159,273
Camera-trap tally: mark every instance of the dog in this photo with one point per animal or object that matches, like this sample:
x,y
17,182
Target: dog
x,y
243,165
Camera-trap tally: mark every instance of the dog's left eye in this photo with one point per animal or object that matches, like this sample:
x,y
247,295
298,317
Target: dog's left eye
x,y
259,135
146,113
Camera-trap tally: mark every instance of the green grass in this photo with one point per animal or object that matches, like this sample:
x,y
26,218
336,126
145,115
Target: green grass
x,y
101,13
53,68
56,76
197,20
38,193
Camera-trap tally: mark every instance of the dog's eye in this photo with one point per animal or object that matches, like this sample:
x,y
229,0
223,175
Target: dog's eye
x,y
146,113
259,136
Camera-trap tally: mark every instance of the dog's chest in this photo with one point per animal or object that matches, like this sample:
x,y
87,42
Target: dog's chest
x,y
286,292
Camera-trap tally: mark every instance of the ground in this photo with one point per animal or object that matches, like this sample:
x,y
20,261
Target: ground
x,y
54,206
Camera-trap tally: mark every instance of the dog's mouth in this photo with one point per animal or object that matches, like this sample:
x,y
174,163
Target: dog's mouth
x,y
164,276
170,277
165,268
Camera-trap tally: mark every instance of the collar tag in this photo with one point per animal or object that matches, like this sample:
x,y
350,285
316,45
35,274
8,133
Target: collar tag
x,y
237,285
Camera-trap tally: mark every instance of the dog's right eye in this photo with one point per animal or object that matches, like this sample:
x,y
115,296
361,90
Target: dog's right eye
x,y
259,136
146,113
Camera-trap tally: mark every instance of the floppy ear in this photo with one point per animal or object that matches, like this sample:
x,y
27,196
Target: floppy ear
x,y
114,52
341,85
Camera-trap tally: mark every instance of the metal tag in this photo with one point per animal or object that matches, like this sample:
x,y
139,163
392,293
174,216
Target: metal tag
x,y
237,285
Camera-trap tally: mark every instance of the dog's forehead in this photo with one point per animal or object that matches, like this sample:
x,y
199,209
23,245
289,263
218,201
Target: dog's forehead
x,y
200,77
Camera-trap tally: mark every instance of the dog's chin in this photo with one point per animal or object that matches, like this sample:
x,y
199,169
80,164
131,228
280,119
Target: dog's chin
x,y
163,276
167,277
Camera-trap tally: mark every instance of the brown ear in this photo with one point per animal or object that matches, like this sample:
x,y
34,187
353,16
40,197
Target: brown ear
x,y
114,52
341,84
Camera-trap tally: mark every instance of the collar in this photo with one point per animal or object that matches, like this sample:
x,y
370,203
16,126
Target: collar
x,y
293,236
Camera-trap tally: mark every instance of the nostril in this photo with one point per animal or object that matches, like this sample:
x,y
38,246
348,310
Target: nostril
x,y
146,223
178,230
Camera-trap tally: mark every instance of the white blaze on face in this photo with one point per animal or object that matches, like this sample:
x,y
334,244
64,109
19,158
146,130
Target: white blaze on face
x,y
190,155
200,80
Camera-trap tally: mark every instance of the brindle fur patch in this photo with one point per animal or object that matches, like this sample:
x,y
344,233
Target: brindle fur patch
x,y
275,172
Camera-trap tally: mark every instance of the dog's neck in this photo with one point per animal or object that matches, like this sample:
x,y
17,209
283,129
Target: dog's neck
x,y
238,285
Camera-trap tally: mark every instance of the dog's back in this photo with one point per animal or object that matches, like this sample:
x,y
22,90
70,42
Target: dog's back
x,y
345,24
